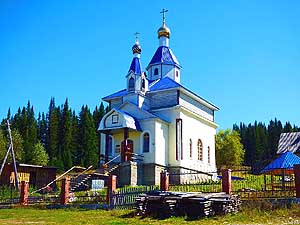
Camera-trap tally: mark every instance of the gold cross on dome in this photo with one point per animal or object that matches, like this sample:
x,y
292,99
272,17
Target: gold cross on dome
x,y
164,14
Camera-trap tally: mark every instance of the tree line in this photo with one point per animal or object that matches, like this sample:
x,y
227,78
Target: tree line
x,y
260,141
59,138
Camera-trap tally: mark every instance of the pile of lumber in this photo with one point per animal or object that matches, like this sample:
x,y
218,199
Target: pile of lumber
x,y
193,205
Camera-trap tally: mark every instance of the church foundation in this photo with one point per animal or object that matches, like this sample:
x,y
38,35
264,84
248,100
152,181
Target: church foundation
x,y
128,174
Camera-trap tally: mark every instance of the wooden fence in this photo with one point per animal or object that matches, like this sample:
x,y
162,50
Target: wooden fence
x,y
125,198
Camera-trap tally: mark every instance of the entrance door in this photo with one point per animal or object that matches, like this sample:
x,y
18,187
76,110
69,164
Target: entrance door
x,y
127,152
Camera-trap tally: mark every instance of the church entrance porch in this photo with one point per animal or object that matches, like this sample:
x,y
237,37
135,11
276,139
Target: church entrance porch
x,y
126,150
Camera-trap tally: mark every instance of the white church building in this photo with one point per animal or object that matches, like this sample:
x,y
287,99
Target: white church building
x,y
156,123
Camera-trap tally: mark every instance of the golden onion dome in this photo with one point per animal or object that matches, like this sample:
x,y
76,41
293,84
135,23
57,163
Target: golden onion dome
x,y
164,31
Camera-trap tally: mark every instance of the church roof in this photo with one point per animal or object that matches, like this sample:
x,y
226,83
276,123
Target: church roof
x,y
289,142
135,66
168,83
116,94
128,121
164,55
163,83
160,85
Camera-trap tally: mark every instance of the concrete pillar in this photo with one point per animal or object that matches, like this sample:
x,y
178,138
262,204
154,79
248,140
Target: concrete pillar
x,y
64,194
164,181
297,179
128,170
24,193
226,181
111,188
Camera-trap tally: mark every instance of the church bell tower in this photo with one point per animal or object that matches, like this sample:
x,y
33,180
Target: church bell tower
x,y
164,62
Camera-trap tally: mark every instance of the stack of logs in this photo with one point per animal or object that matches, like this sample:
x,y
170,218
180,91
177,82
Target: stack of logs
x,y
193,205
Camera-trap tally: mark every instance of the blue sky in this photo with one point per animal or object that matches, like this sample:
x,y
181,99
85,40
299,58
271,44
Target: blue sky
x,y
242,56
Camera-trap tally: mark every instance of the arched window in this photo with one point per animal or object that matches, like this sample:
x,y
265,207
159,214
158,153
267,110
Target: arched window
x,y
131,84
156,71
208,154
200,150
191,148
146,142
143,84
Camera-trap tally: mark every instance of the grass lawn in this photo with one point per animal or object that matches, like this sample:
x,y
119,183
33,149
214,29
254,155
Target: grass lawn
x,y
77,216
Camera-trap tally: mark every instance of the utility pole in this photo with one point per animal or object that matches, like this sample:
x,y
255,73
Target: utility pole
x,y
11,150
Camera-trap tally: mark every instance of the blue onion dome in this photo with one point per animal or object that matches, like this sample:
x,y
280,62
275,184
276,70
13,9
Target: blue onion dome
x,y
136,48
164,31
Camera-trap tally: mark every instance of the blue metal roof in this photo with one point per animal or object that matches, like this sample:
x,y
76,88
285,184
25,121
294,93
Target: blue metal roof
x,y
156,85
164,55
117,94
284,161
135,66
163,83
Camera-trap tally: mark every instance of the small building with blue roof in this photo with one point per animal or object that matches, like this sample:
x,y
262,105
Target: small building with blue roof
x,y
157,124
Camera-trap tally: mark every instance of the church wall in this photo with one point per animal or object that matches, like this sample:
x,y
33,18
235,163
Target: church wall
x,y
148,126
194,129
161,143
168,71
115,103
132,97
144,102
170,115
196,107
114,120
163,99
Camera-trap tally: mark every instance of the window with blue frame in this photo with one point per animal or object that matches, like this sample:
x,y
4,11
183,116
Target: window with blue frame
x,y
131,84
146,142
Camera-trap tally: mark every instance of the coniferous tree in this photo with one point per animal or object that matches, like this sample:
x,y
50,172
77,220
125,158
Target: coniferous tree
x,y
88,138
66,136
53,147
98,115
42,129
287,128
25,123
75,140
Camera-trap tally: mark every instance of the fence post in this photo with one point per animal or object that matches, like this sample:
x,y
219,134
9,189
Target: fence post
x,y
226,181
24,193
111,188
164,181
297,179
64,194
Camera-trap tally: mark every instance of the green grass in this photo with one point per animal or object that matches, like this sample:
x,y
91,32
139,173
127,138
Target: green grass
x,y
262,214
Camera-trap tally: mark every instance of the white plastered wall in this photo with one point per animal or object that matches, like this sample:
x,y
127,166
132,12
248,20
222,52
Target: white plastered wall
x,y
195,128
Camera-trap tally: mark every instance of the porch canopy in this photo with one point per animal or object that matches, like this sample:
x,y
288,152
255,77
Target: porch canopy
x,y
116,119
284,164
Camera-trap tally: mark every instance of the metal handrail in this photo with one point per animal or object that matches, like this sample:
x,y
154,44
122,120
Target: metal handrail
x,y
105,164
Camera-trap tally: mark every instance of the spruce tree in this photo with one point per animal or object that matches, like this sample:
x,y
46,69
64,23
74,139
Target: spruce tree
x,y
66,136
42,129
53,147
88,138
98,115
287,128
75,152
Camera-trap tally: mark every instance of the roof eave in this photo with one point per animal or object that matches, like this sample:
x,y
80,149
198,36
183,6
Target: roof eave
x,y
199,99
